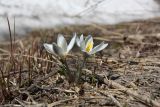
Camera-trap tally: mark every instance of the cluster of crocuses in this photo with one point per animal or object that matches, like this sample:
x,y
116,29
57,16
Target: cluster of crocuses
x,y
61,50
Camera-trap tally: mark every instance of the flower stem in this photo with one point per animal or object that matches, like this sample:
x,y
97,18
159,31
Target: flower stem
x,y
79,74
68,71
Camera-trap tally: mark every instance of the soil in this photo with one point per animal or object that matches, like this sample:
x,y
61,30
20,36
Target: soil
x,y
30,76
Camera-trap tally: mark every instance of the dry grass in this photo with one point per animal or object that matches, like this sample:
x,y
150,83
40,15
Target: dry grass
x,y
30,76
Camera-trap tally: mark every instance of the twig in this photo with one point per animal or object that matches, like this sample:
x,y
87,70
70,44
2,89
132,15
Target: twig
x,y
105,31
8,43
20,102
91,8
14,72
46,77
115,100
90,98
23,104
41,79
11,105
56,89
10,34
11,52
4,51
14,39
134,94
111,96
60,102
34,57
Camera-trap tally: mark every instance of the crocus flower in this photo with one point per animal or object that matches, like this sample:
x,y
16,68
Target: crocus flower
x,y
86,45
61,48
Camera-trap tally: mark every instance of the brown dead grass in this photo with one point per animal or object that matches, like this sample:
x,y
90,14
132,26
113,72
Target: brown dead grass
x,y
132,60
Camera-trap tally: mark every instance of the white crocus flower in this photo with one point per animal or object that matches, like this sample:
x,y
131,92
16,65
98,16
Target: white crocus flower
x,y
86,45
61,48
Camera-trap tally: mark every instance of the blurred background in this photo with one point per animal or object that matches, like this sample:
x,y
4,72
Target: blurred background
x,y
30,15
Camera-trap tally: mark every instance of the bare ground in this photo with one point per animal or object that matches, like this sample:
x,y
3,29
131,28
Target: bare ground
x,y
131,62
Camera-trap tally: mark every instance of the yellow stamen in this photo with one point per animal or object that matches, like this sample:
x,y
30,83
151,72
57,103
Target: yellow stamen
x,y
89,46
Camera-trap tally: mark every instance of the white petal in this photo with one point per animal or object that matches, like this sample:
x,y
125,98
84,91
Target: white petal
x,y
82,45
78,42
61,42
81,38
87,38
58,50
49,48
71,44
98,48
90,40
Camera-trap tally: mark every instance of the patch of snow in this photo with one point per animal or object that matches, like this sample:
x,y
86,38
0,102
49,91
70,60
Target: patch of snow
x,y
30,14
